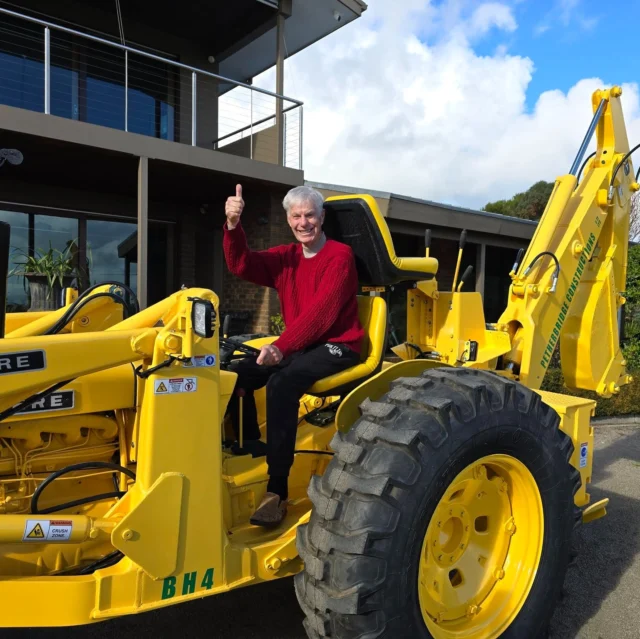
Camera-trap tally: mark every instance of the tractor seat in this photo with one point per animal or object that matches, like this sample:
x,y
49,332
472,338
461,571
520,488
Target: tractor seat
x,y
372,312
356,220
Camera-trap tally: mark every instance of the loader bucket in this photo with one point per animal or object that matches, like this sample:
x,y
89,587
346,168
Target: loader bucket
x,y
4,271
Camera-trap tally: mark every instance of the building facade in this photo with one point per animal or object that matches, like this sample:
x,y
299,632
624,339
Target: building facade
x,y
134,121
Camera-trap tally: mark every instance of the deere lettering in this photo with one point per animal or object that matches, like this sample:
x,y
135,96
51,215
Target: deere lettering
x,y
564,310
21,362
188,585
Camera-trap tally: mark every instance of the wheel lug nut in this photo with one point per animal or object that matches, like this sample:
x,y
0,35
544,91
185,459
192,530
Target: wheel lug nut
x,y
480,472
510,526
472,610
499,573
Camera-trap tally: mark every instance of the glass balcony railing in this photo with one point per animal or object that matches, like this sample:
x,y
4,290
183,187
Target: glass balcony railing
x,y
60,71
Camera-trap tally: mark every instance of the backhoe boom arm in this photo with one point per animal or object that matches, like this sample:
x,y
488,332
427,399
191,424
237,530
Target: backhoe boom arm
x,y
568,288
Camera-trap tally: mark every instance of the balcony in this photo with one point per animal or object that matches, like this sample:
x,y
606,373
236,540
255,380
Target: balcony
x,y
60,71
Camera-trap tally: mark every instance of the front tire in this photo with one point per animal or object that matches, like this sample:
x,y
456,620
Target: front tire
x,y
376,562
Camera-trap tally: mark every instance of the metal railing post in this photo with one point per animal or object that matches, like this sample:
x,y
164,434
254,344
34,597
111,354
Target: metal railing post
x,y
194,92
284,139
126,90
251,127
47,70
300,140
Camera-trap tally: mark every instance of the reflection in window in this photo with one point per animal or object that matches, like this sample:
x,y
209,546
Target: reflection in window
x,y
111,249
87,80
57,232
17,298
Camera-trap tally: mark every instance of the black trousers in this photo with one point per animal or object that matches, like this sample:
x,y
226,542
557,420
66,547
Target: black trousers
x,y
286,383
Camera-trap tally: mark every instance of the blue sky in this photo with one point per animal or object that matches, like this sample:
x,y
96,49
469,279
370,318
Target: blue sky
x,y
569,40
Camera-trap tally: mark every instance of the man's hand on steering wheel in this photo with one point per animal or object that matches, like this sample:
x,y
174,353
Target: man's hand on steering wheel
x,y
270,355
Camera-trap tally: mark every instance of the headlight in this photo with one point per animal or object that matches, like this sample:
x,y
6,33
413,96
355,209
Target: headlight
x,y
202,318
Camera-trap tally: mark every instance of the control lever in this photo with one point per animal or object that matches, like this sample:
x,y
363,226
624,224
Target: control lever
x,y
465,276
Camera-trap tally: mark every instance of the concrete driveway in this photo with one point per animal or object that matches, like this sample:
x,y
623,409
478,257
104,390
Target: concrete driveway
x,y
602,590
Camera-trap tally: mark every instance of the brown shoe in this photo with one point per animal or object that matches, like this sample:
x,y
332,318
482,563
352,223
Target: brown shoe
x,y
271,511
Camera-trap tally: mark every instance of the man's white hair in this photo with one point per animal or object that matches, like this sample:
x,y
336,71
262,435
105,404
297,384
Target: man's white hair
x,y
303,195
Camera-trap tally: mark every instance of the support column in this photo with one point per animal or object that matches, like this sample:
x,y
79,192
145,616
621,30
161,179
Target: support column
x,y
283,13
5,234
143,229
481,264
84,275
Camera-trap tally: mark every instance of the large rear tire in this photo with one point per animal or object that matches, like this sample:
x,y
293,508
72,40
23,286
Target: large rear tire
x,y
398,544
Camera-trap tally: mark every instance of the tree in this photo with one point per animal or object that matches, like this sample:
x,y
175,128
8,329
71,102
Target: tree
x,y
634,217
529,205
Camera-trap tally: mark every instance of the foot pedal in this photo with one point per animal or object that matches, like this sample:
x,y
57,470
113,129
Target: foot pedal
x,y
253,447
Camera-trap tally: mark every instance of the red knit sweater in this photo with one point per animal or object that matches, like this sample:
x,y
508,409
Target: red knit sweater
x,y
317,294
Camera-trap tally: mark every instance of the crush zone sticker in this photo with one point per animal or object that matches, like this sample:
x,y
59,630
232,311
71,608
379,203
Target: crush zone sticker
x,y
175,385
47,530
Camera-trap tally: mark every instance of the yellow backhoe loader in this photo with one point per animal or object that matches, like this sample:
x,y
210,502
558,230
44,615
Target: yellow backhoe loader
x,y
432,497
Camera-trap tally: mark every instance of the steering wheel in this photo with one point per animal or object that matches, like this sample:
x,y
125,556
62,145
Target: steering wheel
x,y
245,349
231,347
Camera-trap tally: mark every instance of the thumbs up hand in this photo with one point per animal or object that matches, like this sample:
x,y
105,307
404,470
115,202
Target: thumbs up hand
x,y
234,208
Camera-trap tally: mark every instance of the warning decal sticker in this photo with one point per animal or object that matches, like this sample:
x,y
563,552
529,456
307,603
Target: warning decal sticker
x,y
200,361
584,452
175,385
47,530
36,532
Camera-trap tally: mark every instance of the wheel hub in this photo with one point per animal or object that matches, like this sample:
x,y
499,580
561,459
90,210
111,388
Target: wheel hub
x,y
451,535
468,549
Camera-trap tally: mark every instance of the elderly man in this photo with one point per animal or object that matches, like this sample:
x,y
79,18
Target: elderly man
x,y
317,284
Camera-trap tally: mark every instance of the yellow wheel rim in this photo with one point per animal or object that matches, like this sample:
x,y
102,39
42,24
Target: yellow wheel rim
x,y
481,551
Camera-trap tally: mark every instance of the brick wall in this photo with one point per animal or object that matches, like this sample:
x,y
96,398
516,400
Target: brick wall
x,y
187,229
265,225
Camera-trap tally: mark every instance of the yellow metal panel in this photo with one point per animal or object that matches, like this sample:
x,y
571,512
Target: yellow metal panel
x,y
67,356
15,321
49,594
149,533
99,392
575,420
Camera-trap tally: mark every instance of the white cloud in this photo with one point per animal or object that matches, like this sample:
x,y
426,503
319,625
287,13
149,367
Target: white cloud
x,y
492,14
566,13
387,108
566,9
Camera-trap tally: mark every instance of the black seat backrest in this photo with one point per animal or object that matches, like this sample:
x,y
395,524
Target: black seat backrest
x,y
351,221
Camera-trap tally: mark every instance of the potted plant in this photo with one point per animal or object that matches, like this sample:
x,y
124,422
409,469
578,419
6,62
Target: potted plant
x,y
47,273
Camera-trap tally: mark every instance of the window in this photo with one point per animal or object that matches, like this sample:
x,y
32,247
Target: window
x,y
110,250
87,80
17,298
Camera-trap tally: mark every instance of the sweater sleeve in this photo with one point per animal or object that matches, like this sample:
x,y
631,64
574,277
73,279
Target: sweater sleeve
x,y
339,283
258,267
